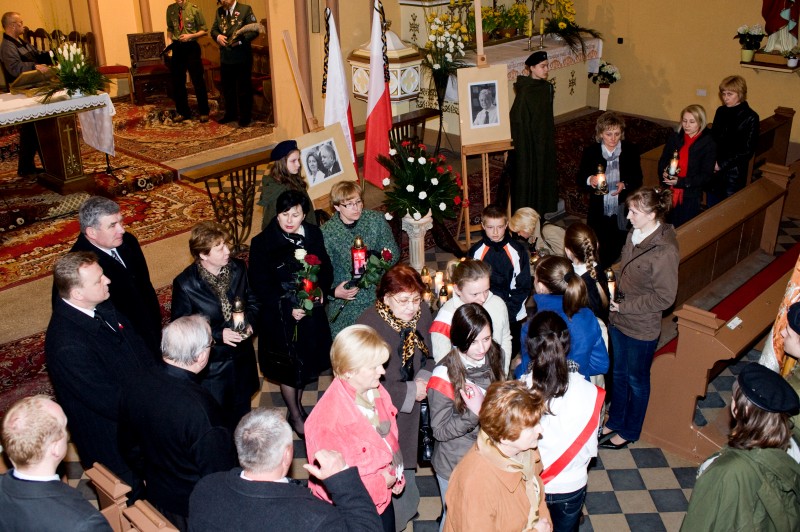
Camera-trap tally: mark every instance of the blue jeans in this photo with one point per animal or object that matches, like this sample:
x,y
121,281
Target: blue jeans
x,y
565,509
631,386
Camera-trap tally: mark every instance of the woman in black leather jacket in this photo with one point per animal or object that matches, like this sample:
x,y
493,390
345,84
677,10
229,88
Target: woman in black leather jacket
x,y
735,130
697,153
209,287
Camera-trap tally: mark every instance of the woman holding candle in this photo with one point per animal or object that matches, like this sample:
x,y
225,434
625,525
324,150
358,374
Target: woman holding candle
x,y
356,417
647,283
209,287
352,220
621,167
497,487
400,318
284,175
697,153
471,285
560,289
457,387
294,344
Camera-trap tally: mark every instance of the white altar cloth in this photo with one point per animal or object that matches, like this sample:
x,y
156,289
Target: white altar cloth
x,y
94,112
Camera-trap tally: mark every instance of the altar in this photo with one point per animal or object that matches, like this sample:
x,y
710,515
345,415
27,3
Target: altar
x,y
568,73
56,129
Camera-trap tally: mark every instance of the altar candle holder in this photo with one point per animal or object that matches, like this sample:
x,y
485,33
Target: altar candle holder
x,y
602,184
611,279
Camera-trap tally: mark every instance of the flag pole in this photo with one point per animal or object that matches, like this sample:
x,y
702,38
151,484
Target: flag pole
x,y
311,121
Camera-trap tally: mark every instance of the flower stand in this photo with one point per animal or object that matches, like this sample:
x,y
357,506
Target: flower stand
x,y
604,92
416,238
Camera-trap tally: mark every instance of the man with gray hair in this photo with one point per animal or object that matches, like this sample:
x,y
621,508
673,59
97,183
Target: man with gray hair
x,y
172,430
122,260
32,496
258,493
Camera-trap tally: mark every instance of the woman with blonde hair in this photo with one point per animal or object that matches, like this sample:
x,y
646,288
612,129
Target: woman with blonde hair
x,y
581,247
560,289
697,153
545,239
356,417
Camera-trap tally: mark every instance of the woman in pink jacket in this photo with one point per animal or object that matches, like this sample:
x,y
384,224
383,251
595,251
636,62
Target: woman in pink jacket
x,y
356,417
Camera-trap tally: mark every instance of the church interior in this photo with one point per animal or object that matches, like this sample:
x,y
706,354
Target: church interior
x,y
736,258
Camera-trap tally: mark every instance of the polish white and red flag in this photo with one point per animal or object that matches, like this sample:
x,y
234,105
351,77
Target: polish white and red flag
x,y
337,97
379,109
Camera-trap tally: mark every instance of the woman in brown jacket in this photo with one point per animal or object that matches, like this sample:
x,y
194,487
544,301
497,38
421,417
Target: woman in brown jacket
x,y
648,282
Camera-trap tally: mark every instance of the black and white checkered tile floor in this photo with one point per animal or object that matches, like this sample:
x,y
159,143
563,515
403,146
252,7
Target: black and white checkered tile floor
x,y
640,488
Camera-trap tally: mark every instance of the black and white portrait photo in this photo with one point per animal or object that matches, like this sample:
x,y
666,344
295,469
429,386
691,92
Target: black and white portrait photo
x,y
320,162
483,104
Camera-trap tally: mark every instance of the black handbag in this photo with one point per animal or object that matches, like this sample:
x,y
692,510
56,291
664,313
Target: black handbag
x,y
426,439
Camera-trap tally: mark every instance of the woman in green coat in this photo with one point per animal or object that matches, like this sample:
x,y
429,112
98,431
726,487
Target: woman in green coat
x,y
284,175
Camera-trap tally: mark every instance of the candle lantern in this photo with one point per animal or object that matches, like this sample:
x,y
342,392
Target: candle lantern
x,y
239,318
602,184
438,281
442,296
359,254
611,279
426,276
673,164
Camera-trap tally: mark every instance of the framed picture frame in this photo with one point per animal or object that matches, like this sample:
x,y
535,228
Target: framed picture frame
x,y
483,104
325,160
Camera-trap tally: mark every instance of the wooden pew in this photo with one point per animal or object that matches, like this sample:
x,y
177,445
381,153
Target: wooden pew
x,y
710,245
143,517
112,496
773,145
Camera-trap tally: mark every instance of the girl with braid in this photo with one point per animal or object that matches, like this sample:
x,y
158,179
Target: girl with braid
x,y
581,247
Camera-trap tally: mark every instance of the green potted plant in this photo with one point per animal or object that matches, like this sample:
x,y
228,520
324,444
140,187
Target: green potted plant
x,y
513,19
750,38
490,19
791,57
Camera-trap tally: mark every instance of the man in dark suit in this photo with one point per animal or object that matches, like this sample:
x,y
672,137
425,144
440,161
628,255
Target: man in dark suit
x,y
120,256
174,425
92,351
247,497
32,496
232,32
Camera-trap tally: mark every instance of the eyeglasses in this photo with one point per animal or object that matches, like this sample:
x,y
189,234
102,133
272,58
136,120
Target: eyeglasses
x,y
353,204
414,301
211,344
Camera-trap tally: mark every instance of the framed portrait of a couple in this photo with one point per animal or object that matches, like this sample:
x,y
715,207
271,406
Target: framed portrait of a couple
x,y
325,159
483,104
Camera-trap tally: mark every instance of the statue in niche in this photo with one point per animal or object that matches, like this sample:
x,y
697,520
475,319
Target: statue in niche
x,y
781,17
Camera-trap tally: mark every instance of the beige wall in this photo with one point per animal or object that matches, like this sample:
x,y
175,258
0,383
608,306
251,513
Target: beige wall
x,y
51,14
672,49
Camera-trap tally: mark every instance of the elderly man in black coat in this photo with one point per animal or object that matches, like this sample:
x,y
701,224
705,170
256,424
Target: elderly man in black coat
x,y
92,351
172,426
32,496
259,496
120,256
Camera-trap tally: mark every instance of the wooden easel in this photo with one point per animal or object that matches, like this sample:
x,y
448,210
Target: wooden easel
x,y
483,149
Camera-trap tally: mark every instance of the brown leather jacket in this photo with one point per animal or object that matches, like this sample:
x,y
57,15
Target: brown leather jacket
x,y
648,278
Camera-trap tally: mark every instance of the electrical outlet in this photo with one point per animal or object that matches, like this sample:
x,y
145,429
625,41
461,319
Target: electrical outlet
x,y
619,40
701,92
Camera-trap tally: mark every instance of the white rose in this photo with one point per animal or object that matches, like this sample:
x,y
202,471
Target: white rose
x,y
386,181
431,38
417,216
388,216
392,152
439,45
434,181
423,195
410,159
422,160
449,57
446,34
300,254
436,66
410,188
442,206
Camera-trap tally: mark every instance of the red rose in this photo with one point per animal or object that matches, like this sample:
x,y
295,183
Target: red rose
x,y
421,146
449,168
457,200
440,169
405,143
432,160
442,158
313,260
386,255
458,181
466,203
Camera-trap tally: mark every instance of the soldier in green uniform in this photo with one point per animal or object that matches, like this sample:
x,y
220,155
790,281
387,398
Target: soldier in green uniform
x,y
185,24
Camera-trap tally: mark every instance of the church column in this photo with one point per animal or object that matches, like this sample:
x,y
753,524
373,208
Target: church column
x,y
94,19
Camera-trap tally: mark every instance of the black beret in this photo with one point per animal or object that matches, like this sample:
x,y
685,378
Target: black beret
x,y
793,317
282,149
536,57
768,390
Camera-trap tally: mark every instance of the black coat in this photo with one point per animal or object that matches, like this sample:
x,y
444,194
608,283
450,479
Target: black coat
x,y
131,290
225,501
610,237
535,183
231,375
172,431
702,156
46,507
89,365
272,269
735,130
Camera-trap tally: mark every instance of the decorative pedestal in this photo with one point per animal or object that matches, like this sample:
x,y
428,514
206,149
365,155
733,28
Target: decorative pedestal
x,y
604,92
416,238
